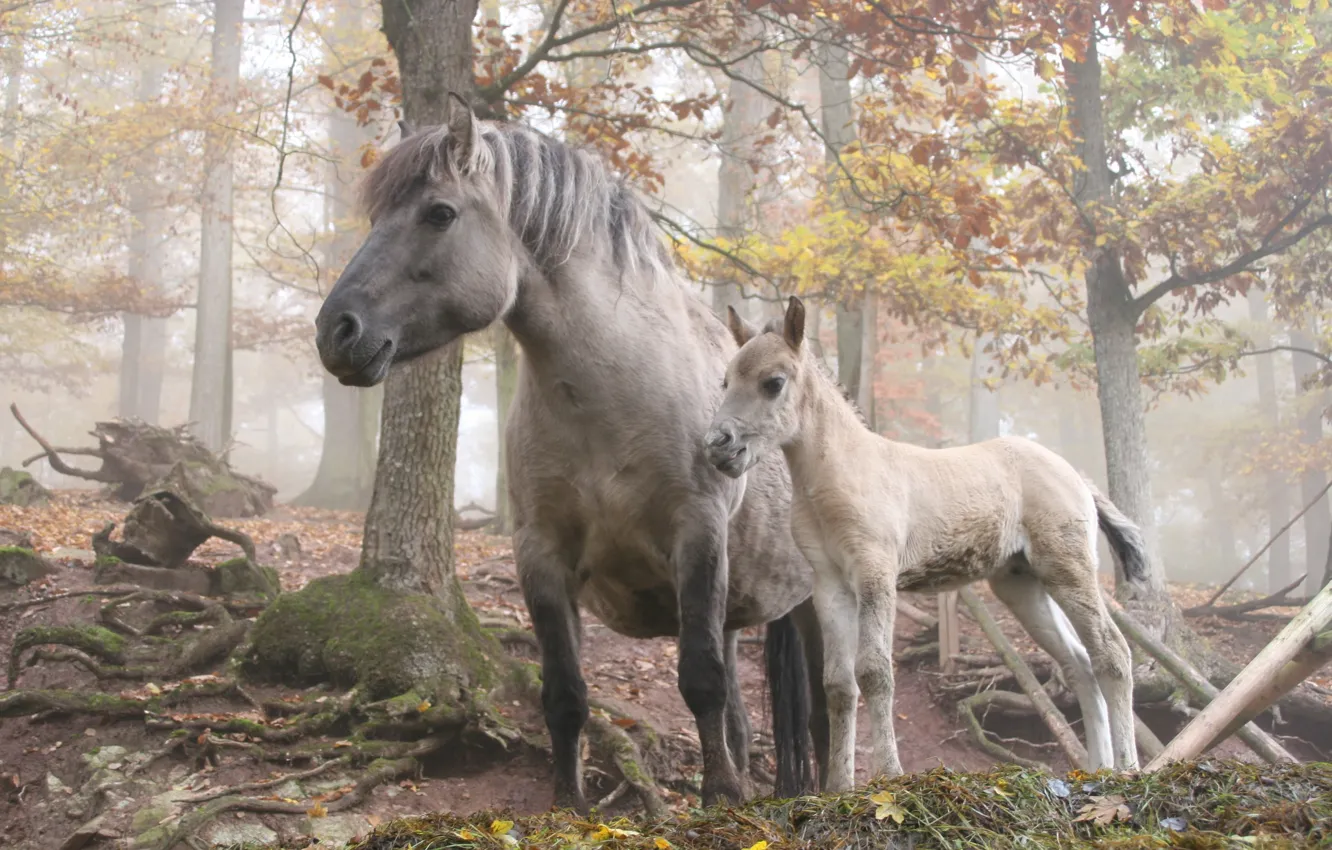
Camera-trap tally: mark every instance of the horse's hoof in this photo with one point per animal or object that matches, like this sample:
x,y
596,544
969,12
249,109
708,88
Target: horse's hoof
x,y
577,802
724,794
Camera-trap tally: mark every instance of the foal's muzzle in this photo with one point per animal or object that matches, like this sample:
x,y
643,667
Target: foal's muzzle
x,y
727,449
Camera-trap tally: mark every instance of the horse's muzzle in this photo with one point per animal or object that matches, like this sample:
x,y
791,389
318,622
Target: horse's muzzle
x,y
727,450
351,352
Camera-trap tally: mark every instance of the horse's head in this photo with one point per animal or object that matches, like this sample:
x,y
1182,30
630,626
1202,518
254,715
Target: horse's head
x,y
439,261
763,389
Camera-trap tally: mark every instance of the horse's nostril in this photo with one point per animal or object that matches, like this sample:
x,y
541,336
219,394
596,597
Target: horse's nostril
x,y
721,438
347,330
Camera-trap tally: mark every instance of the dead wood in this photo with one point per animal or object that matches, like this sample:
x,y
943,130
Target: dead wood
x,y
1263,744
1272,600
136,456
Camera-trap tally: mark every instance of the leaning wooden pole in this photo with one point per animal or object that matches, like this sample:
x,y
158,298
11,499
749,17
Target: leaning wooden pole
x,y
1265,680
1031,686
1267,747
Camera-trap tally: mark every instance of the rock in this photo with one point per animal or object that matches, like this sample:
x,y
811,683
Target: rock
x,y
18,566
55,786
102,757
186,579
14,537
291,790
85,557
337,830
20,488
239,834
150,816
287,546
91,830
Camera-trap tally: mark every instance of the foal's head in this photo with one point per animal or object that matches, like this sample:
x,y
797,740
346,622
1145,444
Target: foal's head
x,y
439,260
764,386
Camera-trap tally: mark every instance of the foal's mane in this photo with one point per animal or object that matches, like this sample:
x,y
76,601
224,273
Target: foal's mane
x,y
555,197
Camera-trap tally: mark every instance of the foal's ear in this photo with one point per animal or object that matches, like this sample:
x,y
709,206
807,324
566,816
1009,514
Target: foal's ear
x,y
793,326
463,131
741,331
405,129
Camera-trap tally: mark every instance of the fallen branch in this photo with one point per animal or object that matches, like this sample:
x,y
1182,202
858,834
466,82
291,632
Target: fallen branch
x,y
98,592
1272,600
57,462
1266,546
1267,747
992,699
1045,707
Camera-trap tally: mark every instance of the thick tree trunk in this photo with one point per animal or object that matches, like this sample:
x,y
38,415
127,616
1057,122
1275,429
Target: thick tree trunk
x,y
742,121
839,130
1278,492
1317,522
1113,315
346,474
983,409
211,388
869,357
143,352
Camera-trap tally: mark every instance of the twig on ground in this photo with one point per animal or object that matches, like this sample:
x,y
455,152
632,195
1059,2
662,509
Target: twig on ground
x,y
988,699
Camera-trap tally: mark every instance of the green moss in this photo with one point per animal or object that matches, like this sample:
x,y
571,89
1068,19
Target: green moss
x,y
94,640
20,566
349,631
238,576
19,488
105,561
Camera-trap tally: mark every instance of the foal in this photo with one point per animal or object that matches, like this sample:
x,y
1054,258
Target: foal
x,y
875,516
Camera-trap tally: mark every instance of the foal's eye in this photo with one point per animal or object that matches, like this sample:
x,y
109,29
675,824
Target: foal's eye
x,y
440,215
772,386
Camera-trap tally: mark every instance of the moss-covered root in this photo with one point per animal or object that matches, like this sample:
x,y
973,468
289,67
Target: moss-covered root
x,y
349,631
24,703
91,640
376,773
613,742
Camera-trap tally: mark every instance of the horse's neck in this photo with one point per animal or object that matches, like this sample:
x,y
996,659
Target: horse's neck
x,y
830,435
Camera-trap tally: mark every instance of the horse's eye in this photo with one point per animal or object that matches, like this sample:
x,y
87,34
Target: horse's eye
x,y
772,386
440,215
725,383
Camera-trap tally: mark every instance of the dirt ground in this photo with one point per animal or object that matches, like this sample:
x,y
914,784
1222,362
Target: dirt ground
x,y
49,767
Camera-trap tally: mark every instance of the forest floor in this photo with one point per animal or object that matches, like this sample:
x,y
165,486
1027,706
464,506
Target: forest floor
x,y
51,766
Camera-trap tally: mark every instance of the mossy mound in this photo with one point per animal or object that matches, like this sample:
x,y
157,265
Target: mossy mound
x,y
18,565
1203,805
238,577
348,631
19,488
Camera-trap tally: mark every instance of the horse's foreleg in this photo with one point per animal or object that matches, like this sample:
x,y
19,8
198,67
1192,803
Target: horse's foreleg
x,y
874,661
837,607
738,730
545,585
1027,598
700,561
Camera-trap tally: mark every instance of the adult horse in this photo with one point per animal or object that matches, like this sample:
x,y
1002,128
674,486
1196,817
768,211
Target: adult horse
x,y
616,506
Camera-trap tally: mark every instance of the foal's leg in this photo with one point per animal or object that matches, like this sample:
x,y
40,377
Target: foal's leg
x,y
545,584
1025,596
837,606
1075,588
738,731
811,635
701,567
874,661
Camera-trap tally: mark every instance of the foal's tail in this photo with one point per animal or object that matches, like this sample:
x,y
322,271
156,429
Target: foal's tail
x,y
1126,540
788,687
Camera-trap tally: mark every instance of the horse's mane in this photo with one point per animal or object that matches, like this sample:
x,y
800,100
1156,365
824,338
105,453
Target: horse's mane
x,y
555,196
775,326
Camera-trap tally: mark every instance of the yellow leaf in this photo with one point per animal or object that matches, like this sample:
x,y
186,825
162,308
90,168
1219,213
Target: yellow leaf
x,y
759,845
1102,239
317,810
662,844
601,833
499,827
465,835
887,807
1167,26
424,706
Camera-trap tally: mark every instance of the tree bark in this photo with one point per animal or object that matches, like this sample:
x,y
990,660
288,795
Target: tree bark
x,y
1278,495
211,388
409,527
983,409
1113,317
1317,521
143,351
742,120
839,130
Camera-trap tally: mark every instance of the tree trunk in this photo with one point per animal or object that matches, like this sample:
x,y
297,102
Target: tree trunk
x,y
869,356
742,121
839,129
142,359
346,473
983,410
1278,494
1113,317
211,388
1317,522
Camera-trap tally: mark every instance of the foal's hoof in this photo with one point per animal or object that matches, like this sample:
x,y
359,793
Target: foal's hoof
x,y
724,793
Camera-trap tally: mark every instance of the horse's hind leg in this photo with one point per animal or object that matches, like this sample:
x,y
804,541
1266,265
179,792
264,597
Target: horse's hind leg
x,y
545,585
1047,624
738,731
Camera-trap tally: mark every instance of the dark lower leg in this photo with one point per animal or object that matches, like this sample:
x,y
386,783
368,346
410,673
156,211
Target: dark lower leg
x,y
812,638
738,730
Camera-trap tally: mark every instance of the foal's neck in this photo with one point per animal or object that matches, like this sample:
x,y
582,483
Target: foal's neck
x,y
829,427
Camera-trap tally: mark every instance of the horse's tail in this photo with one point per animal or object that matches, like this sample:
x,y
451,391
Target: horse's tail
x,y
1126,540
788,688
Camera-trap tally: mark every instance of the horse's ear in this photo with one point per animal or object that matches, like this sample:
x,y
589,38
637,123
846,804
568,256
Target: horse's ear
x,y
405,129
741,331
463,129
793,327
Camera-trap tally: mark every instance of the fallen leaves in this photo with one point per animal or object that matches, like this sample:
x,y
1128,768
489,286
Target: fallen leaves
x,y
1103,811
887,807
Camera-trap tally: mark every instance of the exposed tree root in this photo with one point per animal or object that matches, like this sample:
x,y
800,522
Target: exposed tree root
x,y
610,740
21,703
984,701
90,640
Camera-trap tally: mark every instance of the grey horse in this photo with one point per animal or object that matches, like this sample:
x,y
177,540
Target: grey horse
x,y
615,503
